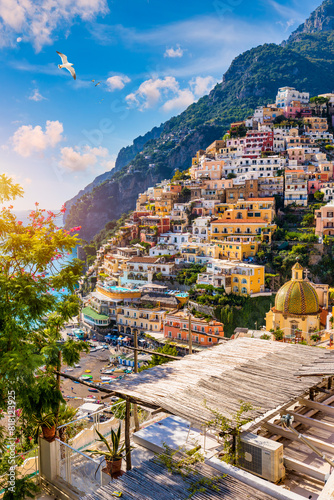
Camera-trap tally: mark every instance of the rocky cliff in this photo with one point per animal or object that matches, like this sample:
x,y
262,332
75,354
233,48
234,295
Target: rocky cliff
x,y
322,19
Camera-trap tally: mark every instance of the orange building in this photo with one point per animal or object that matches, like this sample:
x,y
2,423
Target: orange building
x,y
204,333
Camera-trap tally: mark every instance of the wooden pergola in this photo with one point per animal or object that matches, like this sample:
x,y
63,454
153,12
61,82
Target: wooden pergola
x,y
255,371
152,481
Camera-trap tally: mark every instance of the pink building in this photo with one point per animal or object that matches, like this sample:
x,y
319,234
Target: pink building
x,y
297,110
324,220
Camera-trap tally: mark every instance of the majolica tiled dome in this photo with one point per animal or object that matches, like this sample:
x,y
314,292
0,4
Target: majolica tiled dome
x,y
297,296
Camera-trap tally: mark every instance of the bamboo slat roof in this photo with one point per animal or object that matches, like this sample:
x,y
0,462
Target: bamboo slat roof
x,y
323,365
256,371
152,481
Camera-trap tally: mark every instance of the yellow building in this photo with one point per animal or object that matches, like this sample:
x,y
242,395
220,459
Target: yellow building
x,y
252,209
236,277
237,248
258,228
297,311
143,319
197,253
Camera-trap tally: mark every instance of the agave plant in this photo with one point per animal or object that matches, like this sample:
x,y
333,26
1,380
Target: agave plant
x,y
45,420
115,450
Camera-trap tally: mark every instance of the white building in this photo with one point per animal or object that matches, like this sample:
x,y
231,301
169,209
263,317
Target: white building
x,y
296,188
258,168
200,228
169,244
286,95
328,190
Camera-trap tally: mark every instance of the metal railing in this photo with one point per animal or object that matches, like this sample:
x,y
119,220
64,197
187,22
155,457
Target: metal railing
x,y
78,470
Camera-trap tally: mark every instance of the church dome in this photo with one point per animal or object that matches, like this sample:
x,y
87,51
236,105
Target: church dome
x,y
297,296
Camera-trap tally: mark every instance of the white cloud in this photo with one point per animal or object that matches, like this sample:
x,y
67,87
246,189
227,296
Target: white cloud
x,y
171,52
202,85
150,92
38,19
77,161
28,139
181,101
36,96
117,82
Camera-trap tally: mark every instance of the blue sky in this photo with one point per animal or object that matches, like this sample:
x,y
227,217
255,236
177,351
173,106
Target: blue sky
x,y
153,58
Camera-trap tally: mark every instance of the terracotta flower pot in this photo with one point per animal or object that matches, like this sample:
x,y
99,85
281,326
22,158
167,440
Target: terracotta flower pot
x,y
49,434
114,466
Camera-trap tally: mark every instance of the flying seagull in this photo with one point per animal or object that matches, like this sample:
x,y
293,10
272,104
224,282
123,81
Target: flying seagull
x,y
66,64
96,84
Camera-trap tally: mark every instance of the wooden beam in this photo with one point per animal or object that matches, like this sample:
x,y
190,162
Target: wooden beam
x,y
127,435
296,465
149,351
329,410
135,409
327,492
110,392
321,445
158,410
311,422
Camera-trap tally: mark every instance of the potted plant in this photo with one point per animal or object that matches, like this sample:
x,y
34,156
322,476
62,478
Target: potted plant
x,y
46,423
115,451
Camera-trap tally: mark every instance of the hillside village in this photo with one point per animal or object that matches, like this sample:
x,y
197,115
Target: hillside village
x,y
239,244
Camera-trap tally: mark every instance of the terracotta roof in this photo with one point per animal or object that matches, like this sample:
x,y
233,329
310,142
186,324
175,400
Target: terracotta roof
x,y
144,260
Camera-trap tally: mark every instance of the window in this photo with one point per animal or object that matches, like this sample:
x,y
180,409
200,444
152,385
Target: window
x,y
196,338
179,336
210,339
235,280
169,334
244,281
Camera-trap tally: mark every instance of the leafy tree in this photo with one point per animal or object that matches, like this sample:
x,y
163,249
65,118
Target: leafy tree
x,y
319,196
160,360
308,220
33,265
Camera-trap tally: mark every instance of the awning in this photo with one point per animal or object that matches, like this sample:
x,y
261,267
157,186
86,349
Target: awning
x,y
88,311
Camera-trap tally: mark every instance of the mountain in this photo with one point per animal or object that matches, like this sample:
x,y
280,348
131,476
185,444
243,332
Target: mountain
x,y
322,19
304,61
128,153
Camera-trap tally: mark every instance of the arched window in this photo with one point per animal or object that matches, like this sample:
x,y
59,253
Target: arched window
x,y
244,281
235,280
235,289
